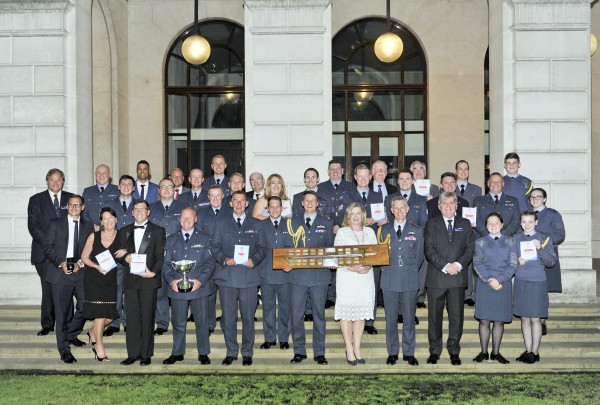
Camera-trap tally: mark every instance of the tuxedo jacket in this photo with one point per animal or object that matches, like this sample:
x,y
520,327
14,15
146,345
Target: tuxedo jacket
x,y
417,213
187,199
227,234
40,212
95,200
406,257
274,238
56,246
150,194
507,207
471,191
196,249
153,246
209,181
441,250
433,209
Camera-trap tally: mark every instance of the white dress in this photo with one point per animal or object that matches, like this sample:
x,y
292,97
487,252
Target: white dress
x,y
355,293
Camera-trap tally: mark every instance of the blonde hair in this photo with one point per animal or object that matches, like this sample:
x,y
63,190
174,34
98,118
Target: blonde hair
x,y
268,194
348,213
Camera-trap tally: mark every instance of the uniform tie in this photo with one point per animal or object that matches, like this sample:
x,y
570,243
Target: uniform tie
x,y
195,197
462,189
275,223
308,222
336,186
399,231
101,190
216,211
124,206
365,197
218,181
405,196
166,207
496,199
187,237
239,222
257,196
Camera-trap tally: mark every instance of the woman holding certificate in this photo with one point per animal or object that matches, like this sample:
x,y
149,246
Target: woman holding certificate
x,y
355,285
495,262
100,279
275,187
536,253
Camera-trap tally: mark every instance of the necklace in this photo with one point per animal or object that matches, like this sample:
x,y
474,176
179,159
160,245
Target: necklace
x,y
362,236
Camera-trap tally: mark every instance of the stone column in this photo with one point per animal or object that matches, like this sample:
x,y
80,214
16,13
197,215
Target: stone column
x,y
288,87
540,99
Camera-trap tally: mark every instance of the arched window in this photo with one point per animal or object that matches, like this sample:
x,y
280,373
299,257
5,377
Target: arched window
x,y
204,105
379,109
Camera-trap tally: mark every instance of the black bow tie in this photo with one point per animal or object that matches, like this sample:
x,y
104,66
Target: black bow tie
x,y
139,227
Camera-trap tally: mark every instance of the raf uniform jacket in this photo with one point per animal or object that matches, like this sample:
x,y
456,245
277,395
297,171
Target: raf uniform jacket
x,y
274,238
209,181
153,246
440,250
406,257
95,200
57,242
168,219
519,187
471,191
196,249
373,197
187,199
320,234
337,198
507,207
226,236
417,214
324,207
207,218
124,217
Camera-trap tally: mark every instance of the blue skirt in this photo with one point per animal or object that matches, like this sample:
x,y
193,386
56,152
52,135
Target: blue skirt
x,y
492,305
530,299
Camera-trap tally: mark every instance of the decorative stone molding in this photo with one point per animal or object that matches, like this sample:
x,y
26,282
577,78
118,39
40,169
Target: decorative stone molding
x,y
287,16
16,6
551,14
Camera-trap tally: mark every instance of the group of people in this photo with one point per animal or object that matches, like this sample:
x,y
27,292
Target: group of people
x,y
117,250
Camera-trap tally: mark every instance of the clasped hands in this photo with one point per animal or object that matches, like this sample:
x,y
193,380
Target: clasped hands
x,y
494,284
360,269
231,262
196,284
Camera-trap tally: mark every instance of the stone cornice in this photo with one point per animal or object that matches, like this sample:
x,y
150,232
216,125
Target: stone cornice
x,y
255,4
551,14
19,6
287,16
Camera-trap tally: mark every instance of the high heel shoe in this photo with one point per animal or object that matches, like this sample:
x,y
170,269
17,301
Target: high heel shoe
x,y
90,338
351,362
105,358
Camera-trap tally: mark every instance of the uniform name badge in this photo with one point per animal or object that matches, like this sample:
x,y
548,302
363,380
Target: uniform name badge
x,y
286,208
422,187
240,254
528,250
106,261
138,264
378,212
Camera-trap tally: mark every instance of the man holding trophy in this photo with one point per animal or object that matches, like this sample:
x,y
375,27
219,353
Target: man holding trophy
x,y
187,270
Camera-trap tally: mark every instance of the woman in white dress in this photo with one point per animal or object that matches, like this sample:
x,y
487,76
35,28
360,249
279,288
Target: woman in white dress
x,y
355,286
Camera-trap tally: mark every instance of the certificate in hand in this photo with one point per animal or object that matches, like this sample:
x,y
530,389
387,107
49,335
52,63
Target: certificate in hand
x,y
106,261
422,186
240,254
528,250
286,206
138,264
378,212
470,213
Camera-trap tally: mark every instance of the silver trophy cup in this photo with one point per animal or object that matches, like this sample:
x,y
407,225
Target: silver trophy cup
x,y
184,267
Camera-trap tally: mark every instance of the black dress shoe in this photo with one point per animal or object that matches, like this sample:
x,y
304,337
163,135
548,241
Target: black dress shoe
x,y
76,342
67,357
421,305
218,319
499,358
522,356
536,357
416,320
321,360
111,330
284,345
246,361
129,361
211,331
329,304
470,302
124,329
44,332
455,360
228,361
433,359
371,330
400,319
146,361
411,360
544,330
267,345
298,358
392,359
481,357
172,359
308,318
191,318
203,359
529,358
159,331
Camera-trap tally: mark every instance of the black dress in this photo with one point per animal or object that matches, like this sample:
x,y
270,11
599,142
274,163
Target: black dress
x,y
100,290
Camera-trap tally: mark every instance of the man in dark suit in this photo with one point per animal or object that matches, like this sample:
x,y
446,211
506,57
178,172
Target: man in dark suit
x,y
176,175
257,183
44,207
310,230
448,184
419,171
63,246
165,212
144,188
336,190
380,172
449,247
97,196
192,245
400,280
274,284
237,248
123,207
144,238
496,201
218,166
464,188
196,197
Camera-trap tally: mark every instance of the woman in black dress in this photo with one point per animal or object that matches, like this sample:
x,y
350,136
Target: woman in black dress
x,y
100,285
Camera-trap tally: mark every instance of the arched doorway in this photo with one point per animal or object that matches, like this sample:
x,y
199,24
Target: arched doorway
x,y
379,109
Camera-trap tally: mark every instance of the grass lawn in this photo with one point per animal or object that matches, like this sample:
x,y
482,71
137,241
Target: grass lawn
x,y
266,389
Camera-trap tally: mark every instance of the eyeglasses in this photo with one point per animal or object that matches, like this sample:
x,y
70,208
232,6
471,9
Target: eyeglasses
x,y
74,205
536,197
140,209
